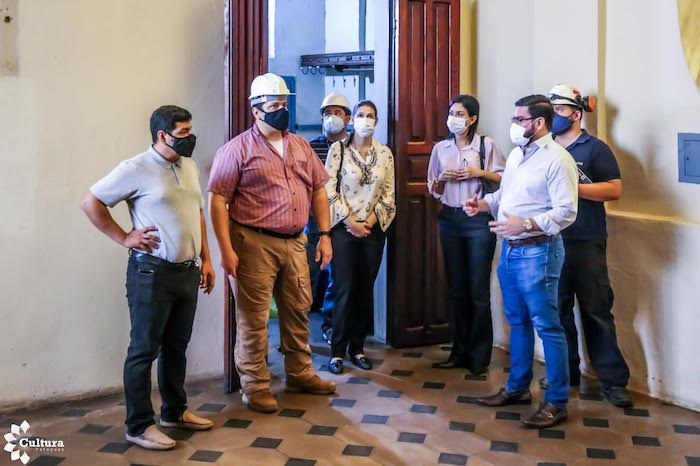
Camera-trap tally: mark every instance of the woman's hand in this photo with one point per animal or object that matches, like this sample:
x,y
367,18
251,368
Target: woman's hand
x,y
449,174
357,229
469,172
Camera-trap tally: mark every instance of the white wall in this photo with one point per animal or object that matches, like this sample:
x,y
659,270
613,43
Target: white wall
x,y
654,229
90,73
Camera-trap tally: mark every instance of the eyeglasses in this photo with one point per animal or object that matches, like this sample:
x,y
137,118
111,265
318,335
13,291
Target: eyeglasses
x,y
521,119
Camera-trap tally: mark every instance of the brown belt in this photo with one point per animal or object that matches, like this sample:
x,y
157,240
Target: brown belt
x,y
534,241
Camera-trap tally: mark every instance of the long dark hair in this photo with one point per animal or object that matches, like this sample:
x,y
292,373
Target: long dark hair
x,y
472,106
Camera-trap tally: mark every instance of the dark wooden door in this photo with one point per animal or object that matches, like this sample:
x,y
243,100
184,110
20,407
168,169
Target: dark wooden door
x,y
246,58
425,59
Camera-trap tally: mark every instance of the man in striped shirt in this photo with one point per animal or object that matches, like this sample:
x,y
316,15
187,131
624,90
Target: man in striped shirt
x,y
335,116
261,186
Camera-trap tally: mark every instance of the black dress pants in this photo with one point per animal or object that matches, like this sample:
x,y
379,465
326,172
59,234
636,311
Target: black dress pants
x,y
356,263
468,247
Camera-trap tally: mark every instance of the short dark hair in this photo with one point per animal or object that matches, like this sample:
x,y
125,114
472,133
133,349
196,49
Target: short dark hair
x,y
362,103
538,106
166,117
472,106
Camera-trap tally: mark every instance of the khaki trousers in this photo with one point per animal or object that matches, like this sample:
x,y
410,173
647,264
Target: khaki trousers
x,y
267,267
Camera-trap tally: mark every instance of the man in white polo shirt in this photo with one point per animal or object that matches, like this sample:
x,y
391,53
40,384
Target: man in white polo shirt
x,y
161,188
536,201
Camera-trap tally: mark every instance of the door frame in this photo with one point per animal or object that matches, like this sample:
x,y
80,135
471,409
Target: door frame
x,y
245,38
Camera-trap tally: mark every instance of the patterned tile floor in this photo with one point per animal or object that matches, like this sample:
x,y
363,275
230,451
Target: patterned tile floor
x,y
402,413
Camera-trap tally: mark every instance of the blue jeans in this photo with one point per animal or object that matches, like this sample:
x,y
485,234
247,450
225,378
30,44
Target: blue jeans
x,y
529,277
322,289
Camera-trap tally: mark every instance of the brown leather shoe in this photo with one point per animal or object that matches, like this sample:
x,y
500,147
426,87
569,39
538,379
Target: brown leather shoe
x,y
313,385
503,398
261,401
546,415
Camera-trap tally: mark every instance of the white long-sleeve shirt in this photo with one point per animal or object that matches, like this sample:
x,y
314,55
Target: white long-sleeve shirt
x,y
541,184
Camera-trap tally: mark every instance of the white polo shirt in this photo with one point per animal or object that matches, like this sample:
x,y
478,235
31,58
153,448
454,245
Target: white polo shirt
x,y
162,194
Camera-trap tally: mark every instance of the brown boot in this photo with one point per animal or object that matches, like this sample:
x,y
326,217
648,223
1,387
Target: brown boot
x,y
261,401
313,385
503,398
546,415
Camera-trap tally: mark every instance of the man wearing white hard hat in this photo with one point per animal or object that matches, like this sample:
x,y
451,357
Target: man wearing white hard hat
x,y
261,186
585,271
335,116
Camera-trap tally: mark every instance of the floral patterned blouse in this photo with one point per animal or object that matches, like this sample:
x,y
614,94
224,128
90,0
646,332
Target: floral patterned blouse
x,y
365,185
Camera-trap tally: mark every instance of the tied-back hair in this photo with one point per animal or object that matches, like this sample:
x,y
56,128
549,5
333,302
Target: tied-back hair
x,y
359,104
471,105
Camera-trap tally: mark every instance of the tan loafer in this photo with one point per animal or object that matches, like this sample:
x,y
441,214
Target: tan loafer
x,y
313,385
261,401
152,439
189,421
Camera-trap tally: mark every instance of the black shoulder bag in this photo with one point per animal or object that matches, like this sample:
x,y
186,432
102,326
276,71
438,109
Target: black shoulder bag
x,y
487,185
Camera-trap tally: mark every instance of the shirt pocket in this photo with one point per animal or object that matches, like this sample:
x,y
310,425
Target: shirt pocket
x,y
302,169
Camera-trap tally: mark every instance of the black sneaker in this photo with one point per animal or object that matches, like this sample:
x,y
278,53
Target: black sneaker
x,y
618,396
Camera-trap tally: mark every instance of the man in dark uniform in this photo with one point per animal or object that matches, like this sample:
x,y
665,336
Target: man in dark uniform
x,y
585,271
335,112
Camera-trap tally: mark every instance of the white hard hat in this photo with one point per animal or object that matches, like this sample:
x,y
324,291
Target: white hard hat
x,y
566,94
336,99
266,86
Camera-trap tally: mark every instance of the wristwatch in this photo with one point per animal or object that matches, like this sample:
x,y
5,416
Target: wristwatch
x,y
527,224
325,233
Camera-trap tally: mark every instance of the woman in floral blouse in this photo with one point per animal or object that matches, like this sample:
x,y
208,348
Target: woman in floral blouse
x,y
361,195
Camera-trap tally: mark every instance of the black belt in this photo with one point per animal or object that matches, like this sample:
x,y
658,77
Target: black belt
x,y
534,241
274,234
149,259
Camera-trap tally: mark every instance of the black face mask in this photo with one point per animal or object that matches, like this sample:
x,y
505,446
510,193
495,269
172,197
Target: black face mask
x,y
183,146
279,119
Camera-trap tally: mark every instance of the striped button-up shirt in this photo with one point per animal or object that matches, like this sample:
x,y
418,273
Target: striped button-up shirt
x,y
263,189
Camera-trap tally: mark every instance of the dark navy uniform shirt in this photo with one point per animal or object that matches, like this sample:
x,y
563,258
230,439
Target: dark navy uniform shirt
x,y
595,159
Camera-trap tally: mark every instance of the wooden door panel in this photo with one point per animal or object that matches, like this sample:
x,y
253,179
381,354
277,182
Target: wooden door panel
x,y
246,58
426,67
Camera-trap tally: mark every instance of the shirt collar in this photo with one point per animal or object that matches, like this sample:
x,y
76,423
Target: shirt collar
x,y
162,161
256,131
475,145
545,140
582,139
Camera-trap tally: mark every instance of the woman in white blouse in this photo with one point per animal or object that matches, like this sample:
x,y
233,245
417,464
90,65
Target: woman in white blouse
x,y
461,166
361,196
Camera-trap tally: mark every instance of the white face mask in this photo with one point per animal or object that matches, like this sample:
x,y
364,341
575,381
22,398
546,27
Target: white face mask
x,y
517,135
333,124
364,126
456,124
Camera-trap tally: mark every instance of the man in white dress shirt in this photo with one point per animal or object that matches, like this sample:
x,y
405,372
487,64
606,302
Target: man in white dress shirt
x,y
537,199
